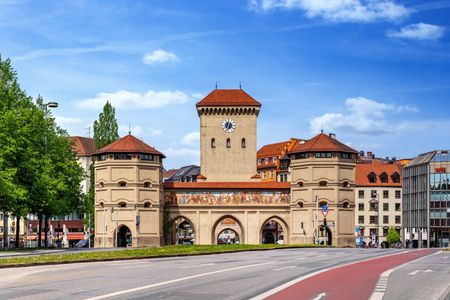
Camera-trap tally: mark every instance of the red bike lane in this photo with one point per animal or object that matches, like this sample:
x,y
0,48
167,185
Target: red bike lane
x,y
355,281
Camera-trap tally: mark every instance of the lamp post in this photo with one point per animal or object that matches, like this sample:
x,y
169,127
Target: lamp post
x,y
376,200
45,107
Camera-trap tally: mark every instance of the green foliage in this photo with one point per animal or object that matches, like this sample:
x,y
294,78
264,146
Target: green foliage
x,y
393,236
38,168
105,128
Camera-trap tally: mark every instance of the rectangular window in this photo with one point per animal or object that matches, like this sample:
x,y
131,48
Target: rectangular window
x,y
373,219
385,206
323,155
385,194
397,220
385,231
385,219
361,194
373,194
397,206
271,174
274,159
264,174
373,206
345,155
361,219
146,157
361,206
122,156
398,194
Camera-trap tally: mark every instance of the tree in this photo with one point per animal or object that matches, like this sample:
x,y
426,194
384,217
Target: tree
x,y
38,169
393,236
105,132
105,128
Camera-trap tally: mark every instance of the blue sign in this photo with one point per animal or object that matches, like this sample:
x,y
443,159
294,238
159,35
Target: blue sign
x,y
325,208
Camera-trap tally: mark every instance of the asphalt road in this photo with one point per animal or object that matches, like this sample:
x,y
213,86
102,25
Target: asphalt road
x,y
426,278
223,276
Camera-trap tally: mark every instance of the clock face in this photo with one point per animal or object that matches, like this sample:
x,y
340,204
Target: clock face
x,y
228,125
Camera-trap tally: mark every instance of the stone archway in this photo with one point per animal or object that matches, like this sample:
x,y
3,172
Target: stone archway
x,y
229,223
182,231
228,236
124,236
274,230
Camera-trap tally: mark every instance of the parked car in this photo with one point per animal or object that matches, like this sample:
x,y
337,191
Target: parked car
x,y
82,244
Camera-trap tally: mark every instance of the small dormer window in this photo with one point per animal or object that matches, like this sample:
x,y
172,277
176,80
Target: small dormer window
x,y
372,177
384,177
267,160
274,159
122,184
259,162
396,177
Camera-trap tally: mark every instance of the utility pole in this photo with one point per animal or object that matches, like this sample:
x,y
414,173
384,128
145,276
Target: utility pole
x,y
316,222
89,230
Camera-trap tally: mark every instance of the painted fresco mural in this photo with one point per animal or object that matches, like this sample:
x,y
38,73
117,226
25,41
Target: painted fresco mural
x,y
226,198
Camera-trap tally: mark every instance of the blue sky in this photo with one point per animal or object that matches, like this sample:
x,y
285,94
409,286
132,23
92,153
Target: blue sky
x,y
376,73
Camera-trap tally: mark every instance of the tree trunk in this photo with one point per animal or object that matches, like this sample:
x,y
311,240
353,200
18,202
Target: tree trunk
x,y
46,231
17,231
40,231
5,229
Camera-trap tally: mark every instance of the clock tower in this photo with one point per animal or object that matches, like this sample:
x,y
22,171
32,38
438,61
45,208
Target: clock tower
x,y
228,136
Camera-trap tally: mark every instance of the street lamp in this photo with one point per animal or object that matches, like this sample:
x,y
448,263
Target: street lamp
x,y
45,107
376,200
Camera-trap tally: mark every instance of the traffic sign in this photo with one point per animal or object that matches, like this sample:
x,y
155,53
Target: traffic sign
x,y
324,210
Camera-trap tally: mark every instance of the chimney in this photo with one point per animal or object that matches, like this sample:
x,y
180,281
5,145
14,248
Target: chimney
x,y
332,135
369,154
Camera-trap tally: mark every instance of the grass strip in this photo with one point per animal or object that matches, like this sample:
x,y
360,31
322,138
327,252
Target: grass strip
x,y
139,253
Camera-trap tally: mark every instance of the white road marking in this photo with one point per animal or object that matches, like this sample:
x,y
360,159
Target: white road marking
x,y
320,296
175,281
284,268
445,257
301,258
197,266
414,272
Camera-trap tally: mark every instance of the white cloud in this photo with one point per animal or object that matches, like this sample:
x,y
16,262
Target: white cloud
x,y
362,116
192,138
419,31
159,56
133,100
338,10
154,132
61,121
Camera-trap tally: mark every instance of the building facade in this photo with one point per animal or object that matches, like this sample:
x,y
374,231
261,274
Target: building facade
x,y
228,203
426,200
273,161
378,195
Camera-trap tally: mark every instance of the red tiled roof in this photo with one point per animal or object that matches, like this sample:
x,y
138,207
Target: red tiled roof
x,y
83,146
322,142
129,144
228,185
362,172
271,150
228,98
201,176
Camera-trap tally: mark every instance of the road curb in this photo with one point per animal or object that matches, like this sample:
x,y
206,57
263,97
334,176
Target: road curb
x,y
141,257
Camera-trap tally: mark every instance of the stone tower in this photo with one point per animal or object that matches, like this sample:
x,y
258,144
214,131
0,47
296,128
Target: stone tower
x,y
323,173
128,194
228,136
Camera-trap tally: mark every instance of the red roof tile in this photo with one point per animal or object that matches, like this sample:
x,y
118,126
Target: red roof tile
x,y
83,146
271,150
228,98
322,142
129,144
228,185
362,172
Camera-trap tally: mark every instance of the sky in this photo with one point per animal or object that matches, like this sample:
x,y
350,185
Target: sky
x,y
375,73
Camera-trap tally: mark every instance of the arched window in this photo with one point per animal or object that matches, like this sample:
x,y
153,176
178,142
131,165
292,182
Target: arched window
x,y
243,143
147,205
300,204
101,184
384,177
102,204
122,204
346,184
213,143
147,184
372,177
228,143
122,184
396,177
300,183
346,204
323,183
